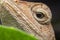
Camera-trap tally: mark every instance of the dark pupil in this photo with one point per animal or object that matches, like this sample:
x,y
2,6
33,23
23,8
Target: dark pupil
x,y
39,14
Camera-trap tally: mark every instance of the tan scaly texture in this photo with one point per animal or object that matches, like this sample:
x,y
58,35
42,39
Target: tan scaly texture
x,y
34,18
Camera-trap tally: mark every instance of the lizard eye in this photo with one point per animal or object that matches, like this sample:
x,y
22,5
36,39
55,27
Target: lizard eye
x,y
40,14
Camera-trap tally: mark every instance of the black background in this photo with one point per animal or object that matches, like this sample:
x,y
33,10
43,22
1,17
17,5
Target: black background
x,y
55,8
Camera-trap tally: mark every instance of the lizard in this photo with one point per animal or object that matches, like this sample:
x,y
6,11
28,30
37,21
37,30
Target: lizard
x,y
34,18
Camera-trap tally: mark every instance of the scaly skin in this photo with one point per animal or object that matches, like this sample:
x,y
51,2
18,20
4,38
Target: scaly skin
x,y
26,15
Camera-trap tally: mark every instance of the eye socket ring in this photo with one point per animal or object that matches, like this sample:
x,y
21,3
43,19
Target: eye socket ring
x,y
42,16
41,13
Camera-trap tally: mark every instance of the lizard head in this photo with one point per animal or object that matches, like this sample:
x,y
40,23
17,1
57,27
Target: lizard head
x,y
34,18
